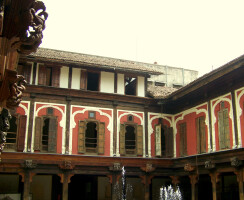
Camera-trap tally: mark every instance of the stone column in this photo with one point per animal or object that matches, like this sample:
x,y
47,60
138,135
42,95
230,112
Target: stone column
x,y
214,180
240,179
194,180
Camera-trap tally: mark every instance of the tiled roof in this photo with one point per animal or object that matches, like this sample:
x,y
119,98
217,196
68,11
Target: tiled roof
x,y
160,92
94,61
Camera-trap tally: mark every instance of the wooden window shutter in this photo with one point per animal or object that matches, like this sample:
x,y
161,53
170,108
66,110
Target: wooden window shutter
x,y
38,133
27,72
122,139
183,140
158,140
42,75
81,137
198,135
52,135
83,80
101,138
139,140
21,133
170,142
226,128
201,134
20,69
55,76
221,129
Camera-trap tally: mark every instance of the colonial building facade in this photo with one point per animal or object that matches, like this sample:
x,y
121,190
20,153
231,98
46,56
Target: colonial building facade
x,y
84,117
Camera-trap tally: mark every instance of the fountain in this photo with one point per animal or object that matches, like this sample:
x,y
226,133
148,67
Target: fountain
x,y
168,193
123,190
123,184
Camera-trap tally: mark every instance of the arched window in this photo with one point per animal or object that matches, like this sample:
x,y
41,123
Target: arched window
x,y
91,137
130,140
46,134
45,131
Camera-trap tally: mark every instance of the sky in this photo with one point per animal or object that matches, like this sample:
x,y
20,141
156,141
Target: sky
x,y
201,35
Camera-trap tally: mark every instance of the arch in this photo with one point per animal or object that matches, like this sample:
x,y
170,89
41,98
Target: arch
x,y
126,112
214,120
87,108
61,123
190,111
238,114
150,128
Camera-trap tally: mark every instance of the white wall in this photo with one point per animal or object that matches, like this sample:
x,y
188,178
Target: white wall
x,y
75,83
107,82
64,77
141,86
120,84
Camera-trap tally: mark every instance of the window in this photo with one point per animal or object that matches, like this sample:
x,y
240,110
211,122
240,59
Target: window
x,y
25,70
91,137
11,138
130,118
46,134
92,115
163,141
201,135
48,76
177,86
223,126
93,81
90,80
183,139
15,139
131,139
159,84
130,85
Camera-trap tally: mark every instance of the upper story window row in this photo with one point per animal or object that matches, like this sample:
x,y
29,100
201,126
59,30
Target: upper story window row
x,y
82,79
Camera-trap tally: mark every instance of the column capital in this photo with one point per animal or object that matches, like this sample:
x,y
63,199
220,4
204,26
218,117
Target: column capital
x,y
175,180
193,178
215,177
68,176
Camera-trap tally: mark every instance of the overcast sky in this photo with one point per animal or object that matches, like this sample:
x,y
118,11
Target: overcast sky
x,y
194,34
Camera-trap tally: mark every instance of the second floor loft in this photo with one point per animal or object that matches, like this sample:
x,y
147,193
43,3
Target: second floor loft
x,y
53,68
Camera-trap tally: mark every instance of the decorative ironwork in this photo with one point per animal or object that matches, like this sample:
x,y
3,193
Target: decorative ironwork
x,y
149,168
235,162
29,164
188,167
115,167
67,165
209,164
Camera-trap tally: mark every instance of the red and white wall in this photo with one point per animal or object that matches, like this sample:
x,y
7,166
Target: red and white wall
x,y
81,113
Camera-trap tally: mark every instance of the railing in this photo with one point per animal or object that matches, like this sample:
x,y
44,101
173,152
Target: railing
x,y
11,140
91,145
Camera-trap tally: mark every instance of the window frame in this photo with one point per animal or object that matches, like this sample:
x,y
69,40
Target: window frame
x,y
100,149
125,81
